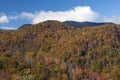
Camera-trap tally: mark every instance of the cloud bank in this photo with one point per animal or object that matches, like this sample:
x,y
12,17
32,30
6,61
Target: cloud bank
x,y
79,13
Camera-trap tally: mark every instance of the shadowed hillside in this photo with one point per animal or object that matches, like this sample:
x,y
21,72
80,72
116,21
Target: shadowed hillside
x,y
85,24
56,51
25,25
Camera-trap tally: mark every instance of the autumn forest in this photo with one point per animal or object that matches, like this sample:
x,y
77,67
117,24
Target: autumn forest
x,y
53,50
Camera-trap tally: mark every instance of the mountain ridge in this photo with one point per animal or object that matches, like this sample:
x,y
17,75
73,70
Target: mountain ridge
x,y
86,23
74,24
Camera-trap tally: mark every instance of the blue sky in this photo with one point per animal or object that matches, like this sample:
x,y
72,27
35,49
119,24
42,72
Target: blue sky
x,y
14,13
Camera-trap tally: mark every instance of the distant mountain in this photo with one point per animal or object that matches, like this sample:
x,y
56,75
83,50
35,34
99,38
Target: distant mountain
x,y
84,24
25,25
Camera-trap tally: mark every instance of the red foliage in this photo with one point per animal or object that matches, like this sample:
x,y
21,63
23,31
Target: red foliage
x,y
5,76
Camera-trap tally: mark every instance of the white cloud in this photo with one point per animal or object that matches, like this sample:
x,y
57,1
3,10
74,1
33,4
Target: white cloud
x,y
113,19
7,28
3,19
79,13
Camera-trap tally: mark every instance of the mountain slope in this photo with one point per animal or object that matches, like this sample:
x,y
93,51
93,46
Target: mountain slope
x,y
54,50
84,24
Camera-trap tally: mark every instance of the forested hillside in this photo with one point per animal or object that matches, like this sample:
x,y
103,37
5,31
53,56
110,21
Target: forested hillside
x,y
55,51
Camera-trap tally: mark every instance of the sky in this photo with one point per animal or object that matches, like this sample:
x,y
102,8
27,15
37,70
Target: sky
x,y
14,13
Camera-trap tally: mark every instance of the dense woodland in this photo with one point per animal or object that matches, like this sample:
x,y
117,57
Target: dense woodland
x,y
56,51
